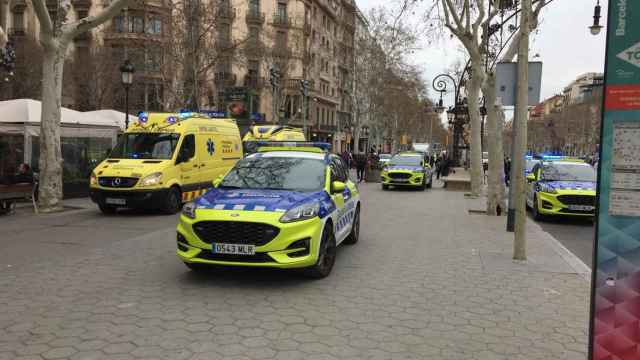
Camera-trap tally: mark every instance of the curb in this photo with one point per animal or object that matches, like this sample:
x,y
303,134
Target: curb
x,y
573,261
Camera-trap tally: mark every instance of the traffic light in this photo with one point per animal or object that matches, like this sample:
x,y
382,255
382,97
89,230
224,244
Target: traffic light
x,y
274,77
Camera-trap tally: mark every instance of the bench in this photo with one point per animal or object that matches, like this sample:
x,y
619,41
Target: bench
x,y
9,194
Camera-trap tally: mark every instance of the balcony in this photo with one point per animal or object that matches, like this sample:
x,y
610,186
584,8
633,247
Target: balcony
x,y
254,82
81,4
224,79
253,48
17,31
18,5
226,12
294,84
254,17
281,20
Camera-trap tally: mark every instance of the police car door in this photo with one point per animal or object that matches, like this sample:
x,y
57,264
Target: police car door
x,y
531,185
343,201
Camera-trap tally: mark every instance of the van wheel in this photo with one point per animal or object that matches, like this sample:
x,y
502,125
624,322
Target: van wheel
x,y
326,255
173,201
385,187
107,209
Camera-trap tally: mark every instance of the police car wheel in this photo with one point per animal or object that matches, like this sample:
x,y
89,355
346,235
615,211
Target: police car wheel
x,y
107,209
534,210
326,256
172,201
354,235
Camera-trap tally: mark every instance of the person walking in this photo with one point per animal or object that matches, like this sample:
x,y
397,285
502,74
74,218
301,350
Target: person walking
x,y
361,164
438,165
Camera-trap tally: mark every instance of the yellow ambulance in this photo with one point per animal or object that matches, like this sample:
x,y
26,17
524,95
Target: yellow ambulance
x,y
260,133
164,160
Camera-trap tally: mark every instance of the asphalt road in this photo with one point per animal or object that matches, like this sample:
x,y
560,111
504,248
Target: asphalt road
x,y
577,235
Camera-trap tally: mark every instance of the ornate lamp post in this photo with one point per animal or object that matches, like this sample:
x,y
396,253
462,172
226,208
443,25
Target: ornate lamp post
x,y
596,27
457,115
127,71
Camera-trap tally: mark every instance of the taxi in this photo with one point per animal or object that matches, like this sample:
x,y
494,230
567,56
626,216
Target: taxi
x,y
287,206
561,187
407,169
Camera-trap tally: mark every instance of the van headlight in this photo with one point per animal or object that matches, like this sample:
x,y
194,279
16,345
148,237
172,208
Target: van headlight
x,y
93,180
302,212
189,210
151,180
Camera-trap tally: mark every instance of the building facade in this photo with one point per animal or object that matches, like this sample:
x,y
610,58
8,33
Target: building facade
x,y
583,88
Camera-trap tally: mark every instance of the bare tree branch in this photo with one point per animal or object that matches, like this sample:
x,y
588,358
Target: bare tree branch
x,y
46,25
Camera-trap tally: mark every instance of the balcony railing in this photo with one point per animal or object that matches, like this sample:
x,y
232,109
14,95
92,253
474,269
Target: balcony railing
x,y
254,82
254,17
224,78
281,20
17,31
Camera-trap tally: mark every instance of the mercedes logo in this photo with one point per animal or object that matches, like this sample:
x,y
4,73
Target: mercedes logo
x,y
117,181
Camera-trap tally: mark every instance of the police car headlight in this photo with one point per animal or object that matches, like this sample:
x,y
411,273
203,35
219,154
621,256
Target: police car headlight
x,y
151,180
302,212
189,210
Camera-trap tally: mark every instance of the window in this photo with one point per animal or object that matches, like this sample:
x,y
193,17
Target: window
x,y
338,170
254,7
188,149
253,70
155,26
281,40
136,24
282,11
18,21
154,59
118,23
318,115
254,35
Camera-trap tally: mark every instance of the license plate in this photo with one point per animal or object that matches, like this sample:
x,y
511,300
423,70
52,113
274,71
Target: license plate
x,y
234,249
400,180
113,201
581,207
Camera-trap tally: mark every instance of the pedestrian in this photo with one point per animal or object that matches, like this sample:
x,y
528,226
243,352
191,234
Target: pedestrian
x,y
438,167
361,164
24,175
507,170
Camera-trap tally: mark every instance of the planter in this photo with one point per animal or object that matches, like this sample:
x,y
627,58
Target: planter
x,y
372,176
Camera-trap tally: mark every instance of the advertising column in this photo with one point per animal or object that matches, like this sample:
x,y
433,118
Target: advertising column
x,y
615,293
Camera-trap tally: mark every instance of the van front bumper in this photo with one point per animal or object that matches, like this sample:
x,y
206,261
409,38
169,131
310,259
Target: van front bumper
x,y
139,199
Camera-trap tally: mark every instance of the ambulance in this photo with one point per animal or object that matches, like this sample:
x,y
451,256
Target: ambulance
x,y
164,160
261,133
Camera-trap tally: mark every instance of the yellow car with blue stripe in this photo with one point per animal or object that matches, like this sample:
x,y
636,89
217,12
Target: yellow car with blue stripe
x,y
287,206
565,187
407,169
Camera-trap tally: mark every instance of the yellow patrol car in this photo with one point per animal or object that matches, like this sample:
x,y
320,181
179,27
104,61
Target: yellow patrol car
x,y
561,187
407,169
261,133
287,206
164,160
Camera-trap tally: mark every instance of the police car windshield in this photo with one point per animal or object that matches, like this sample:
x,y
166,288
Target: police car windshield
x,y
568,172
530,164
277,173
158,146
385,156
405,160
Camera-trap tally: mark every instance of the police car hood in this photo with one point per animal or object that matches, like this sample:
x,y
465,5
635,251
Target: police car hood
x,y
572,185
258,200
404,168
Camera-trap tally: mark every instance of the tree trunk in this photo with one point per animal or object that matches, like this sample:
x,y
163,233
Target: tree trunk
x,y
496,190
473,93
50,188
522,103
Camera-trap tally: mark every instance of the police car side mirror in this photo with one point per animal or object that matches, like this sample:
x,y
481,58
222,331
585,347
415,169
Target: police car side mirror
x,y
337,187
531,178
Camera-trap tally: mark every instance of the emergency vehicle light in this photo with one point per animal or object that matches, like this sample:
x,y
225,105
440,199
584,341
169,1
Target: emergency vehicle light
x,y
143,117
275,144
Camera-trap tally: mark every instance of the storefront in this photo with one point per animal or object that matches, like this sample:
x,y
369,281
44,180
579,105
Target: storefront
x,y
86,139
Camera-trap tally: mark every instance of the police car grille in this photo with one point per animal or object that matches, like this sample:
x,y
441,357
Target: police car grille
x,y
577,200
117,182
235,232
399,175
256,258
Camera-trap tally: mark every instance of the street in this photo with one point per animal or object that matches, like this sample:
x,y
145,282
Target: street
x,y
577,235
426,281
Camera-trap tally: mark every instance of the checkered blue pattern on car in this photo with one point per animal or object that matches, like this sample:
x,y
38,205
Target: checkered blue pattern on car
x,y
345,221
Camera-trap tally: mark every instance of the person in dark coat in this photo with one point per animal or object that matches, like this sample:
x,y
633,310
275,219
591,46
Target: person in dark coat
x,y
24,175
361,165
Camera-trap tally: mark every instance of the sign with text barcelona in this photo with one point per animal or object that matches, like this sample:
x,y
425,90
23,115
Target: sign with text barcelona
x,y
615,294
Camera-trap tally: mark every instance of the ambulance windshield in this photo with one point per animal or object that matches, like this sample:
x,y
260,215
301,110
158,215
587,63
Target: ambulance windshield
x,y
158,146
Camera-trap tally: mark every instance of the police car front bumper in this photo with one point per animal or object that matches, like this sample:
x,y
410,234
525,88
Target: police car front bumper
x,y
138,199
295,246
582,204
402,178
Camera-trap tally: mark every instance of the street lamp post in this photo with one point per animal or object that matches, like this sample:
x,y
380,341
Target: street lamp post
x,y
458,114
127,71
596,27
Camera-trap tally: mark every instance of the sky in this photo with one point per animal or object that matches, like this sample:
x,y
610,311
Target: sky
x,y
563,41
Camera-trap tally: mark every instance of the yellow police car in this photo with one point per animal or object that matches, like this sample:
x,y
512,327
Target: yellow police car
x,y
407,169
561,187
287,206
